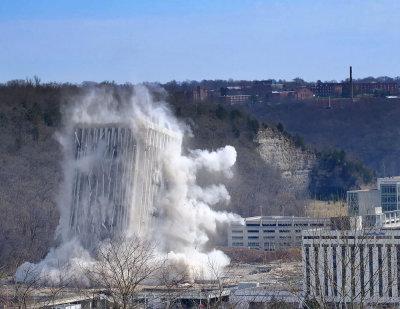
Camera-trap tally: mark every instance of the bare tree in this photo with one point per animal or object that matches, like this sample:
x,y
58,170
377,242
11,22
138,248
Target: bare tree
x,y
18,294
173,283
122,265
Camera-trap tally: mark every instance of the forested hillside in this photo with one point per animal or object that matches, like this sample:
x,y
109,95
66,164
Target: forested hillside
x,y
30,170
368,129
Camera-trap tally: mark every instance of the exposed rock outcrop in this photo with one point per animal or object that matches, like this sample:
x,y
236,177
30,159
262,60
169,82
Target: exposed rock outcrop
x,y
280,151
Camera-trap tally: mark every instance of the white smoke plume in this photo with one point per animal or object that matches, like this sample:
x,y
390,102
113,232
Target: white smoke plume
x,y
184,216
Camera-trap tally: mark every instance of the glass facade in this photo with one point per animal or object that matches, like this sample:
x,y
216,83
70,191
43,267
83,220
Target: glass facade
x,y
352,202
389,197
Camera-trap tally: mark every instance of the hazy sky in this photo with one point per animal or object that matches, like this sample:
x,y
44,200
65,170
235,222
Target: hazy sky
x,y
134,41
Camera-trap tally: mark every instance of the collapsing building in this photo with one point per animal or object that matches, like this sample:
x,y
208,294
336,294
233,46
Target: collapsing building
x,y
117,179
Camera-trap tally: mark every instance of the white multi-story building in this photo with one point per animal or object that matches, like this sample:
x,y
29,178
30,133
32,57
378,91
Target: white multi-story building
x,y
352,266
271,233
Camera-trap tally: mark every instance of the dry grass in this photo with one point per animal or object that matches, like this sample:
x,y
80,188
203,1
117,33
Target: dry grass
x,y
326,209
245,255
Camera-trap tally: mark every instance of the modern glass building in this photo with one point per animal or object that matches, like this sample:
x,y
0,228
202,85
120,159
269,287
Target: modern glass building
x,y
390,193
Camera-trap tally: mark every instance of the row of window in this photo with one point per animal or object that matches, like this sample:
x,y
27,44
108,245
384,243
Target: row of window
x,y
353,237
269,231
269,246
267,237
285,224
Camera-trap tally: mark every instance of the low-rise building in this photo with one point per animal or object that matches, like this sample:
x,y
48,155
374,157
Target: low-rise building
x,y
271,233
235,99
328,89
304,94
200,94
391,88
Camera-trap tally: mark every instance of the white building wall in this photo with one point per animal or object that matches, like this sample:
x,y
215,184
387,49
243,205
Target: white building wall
x,y
273,232
383,279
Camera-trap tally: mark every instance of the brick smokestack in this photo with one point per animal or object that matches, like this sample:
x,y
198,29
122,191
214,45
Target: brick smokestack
x,y
351,84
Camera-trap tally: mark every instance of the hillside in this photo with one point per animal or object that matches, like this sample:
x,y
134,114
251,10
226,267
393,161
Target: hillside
x,y
30,173
368,129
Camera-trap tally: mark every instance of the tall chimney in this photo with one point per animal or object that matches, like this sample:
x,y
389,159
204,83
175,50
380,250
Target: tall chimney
x,y
351,84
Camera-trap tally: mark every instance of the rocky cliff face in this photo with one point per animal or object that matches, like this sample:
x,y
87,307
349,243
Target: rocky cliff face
x,y
280,152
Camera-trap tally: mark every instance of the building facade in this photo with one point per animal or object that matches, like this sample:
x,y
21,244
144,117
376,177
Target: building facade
x,y
328,89
352,267
379,207
271,233
390,193
304,94
363,202
200,94
235,99
391,88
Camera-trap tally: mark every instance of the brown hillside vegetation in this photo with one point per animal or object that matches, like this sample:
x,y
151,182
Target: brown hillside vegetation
x,y
246,255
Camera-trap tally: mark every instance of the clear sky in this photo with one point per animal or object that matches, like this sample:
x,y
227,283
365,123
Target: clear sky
x,y
162,40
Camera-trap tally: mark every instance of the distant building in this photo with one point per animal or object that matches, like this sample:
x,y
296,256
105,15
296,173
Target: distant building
x,y
271,233
235,99
200,94
304,94
328,89
283,95
391,88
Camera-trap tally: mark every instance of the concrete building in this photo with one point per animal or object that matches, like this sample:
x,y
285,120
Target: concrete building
x,y
363,202
304,94
352,266
271,233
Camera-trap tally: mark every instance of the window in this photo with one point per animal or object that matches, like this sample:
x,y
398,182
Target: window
x,y
269,224
301,224
237,237
269,231
254,244
253,237
284,231
252,231
237,244
237,231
